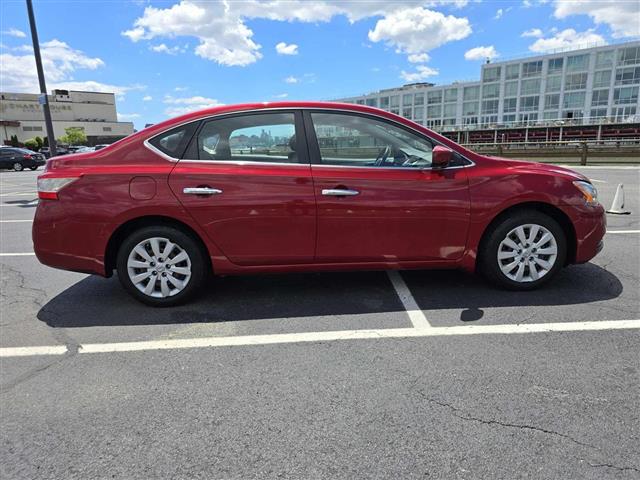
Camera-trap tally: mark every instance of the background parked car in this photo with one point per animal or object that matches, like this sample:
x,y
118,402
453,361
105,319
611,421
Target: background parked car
x,y
46,151
20,158
102,145
80,149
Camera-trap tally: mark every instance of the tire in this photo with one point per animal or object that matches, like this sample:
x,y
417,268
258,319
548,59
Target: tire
x,y
35,167
523,265
174,282
18,167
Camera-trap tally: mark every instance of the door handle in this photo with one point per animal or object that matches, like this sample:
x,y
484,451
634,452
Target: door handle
x,y
339,192
201,191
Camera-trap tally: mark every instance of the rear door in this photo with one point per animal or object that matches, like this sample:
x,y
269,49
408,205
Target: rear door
x,y
246,179
378,198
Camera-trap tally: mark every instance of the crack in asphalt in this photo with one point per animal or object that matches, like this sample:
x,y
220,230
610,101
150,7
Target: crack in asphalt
x,y
615,467
466,416
31,295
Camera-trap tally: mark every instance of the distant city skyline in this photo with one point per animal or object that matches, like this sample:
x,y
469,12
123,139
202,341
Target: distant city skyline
x,y
166,58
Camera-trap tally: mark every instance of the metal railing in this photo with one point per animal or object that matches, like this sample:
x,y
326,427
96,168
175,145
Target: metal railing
x,y
567,122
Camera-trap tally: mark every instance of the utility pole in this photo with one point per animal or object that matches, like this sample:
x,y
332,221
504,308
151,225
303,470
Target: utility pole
x,y
43,100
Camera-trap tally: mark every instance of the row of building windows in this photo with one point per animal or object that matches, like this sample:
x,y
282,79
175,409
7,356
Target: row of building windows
x,y
574,63
532,86
471,105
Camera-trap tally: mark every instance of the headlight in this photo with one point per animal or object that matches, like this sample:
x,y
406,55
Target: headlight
x,y
588,191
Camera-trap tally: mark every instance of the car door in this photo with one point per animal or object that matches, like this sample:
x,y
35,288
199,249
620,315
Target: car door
x,y
378,198
10,156
5,158
246,179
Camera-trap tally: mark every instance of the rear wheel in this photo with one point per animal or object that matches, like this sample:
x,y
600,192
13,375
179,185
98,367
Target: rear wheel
x,y
18,167
523,251
35,167
161,266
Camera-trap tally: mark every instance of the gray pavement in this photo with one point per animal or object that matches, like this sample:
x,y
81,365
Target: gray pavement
x,y
553,404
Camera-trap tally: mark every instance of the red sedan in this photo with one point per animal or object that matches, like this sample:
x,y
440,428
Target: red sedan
x,y
291,187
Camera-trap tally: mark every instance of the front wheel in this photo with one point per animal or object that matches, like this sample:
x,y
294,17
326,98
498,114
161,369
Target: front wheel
x,y
18,167
34,167
161,266
523,251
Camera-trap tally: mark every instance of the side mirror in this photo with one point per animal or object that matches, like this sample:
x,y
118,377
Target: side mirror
x,y
441,156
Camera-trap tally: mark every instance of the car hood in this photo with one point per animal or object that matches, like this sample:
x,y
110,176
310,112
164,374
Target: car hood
x,y
523,166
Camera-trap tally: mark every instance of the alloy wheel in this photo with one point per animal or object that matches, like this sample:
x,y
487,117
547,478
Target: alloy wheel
x,y
18,167
158,267
527,253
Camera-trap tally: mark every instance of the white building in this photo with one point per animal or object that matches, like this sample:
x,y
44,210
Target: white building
x,y
21,114
591,85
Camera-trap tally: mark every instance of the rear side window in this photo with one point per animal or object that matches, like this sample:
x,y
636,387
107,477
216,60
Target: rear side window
x,y
174,142
258,137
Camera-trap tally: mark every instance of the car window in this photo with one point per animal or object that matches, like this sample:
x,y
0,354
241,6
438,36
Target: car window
x,y
355,140
173,142
262,137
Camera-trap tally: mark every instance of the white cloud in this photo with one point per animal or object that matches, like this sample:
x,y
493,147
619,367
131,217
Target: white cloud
x,y
127,117
224,37
284,49
418,30
418,57
163,48
623,17
181,89
499,14
147,98
534,32
14,32
281,95
422,73
291,79
481,53
181,105
60,63
566,40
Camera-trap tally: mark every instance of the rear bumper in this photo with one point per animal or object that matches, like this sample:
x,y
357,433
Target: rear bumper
x,y
60,242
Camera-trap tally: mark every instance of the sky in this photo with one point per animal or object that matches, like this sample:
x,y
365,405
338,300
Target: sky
x,y
164,58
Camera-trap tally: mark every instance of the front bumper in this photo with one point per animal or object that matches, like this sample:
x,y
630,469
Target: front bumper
x,y
590,230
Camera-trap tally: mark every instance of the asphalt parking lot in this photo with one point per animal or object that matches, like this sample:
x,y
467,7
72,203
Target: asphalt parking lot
x,y
416,374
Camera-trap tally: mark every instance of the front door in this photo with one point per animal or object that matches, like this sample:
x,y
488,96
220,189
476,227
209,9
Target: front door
x,y
246,180
378,198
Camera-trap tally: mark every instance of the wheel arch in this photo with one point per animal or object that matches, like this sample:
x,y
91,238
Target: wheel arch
x,y
548,209
128,227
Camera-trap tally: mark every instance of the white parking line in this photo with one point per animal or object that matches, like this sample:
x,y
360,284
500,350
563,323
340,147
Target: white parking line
x,y
284,338
416,315
623,231
29,220
12,194
602,167
32,351
18,254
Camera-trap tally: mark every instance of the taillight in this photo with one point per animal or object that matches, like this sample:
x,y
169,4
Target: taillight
x,y
48,187
27,156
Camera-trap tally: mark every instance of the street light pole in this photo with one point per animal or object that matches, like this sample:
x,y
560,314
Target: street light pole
x,y
43,86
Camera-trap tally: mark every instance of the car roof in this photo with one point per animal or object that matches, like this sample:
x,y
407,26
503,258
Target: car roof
x,y
338,106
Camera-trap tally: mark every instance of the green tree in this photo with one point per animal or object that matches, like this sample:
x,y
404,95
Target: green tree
x,y
31,144
40,142
73,136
